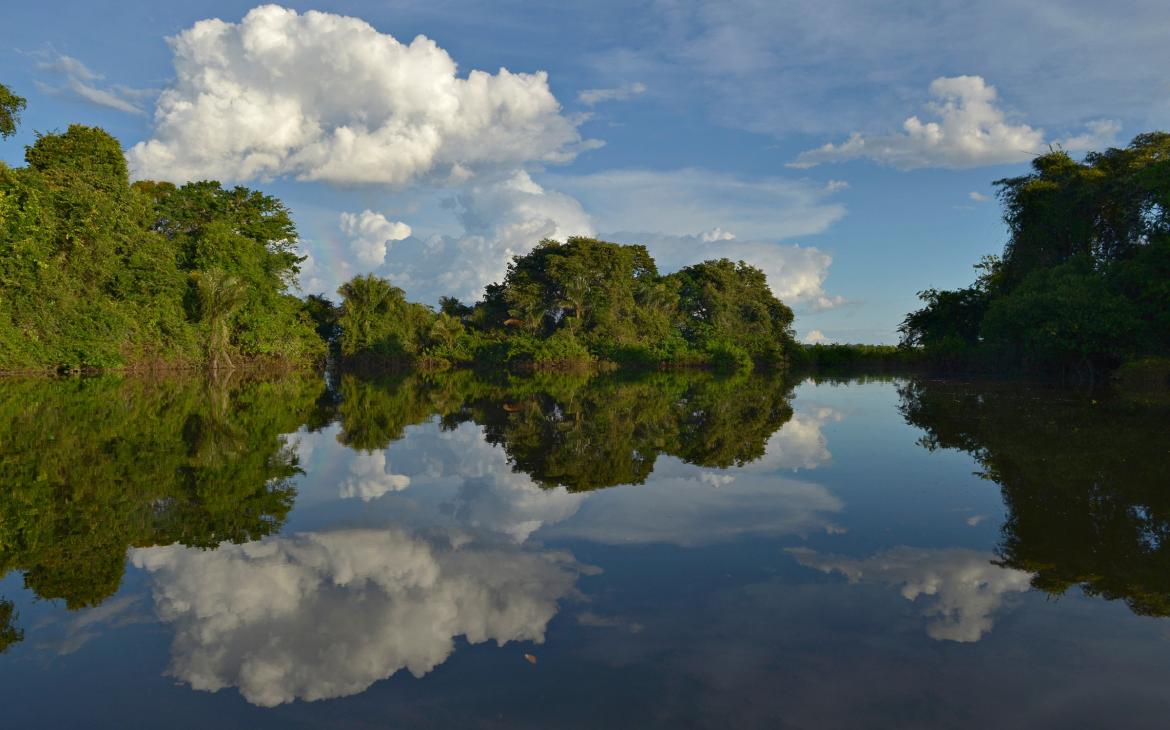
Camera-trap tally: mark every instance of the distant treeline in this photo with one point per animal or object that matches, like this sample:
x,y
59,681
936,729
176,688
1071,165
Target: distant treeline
x,y
569,305
1083,284
97,272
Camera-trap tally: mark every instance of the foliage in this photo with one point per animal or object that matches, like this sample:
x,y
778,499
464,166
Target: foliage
x,y
11,106
98,273
1084,281
581,303
841,357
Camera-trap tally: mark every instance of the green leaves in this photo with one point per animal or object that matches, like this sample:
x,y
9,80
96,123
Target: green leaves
x,y
11,106
1082,284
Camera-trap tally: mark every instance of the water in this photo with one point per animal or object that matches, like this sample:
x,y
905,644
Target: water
x,y
673,550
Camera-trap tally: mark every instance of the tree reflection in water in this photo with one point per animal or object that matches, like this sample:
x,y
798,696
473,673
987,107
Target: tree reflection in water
x,y
1084,481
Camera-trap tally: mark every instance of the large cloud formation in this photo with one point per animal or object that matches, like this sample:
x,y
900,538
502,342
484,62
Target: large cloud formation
x,y
326,97
327,614
971,130
966,586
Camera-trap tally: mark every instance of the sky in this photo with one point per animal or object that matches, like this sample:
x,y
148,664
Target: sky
x,y
848,149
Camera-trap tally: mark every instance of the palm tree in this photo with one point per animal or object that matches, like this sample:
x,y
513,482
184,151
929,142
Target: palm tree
x,y
220,295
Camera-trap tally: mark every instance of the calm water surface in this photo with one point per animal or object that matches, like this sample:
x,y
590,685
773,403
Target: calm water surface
x,y
672,550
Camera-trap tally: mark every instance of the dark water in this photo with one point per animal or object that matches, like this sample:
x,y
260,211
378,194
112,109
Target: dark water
x,y
674,551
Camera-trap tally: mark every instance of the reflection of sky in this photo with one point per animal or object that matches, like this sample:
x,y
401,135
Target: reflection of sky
x,y
845,574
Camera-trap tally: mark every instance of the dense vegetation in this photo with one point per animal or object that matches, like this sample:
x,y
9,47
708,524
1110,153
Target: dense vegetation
x,y
1084,281
574,304
1084,482
96,272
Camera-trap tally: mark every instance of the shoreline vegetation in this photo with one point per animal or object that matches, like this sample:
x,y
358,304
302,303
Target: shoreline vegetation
x,y
98,273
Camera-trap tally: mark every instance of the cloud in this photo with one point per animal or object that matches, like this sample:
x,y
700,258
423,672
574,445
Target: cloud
x,y
978,197
327,614
814,337
370,477
326,97
685,201
971,131
1098,135
796,274
507,215
831,66
370,233
81,83
965,587
589,97
501,218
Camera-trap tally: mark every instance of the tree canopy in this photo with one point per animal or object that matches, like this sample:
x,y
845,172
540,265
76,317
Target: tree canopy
x,y
574,303
97,272
1082,284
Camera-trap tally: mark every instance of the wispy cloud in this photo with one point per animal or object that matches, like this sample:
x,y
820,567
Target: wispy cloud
x,y
589,97
80,82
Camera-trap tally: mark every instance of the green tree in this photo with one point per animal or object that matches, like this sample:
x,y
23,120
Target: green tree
x,y
220,296
11,106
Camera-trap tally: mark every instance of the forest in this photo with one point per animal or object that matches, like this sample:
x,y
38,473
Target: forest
x,y
1083,284
98,272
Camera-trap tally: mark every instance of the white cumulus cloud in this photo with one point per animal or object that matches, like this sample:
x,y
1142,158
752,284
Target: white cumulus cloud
x,y
319,96
370,233
501,218
814,337
970,130
327,614
964,587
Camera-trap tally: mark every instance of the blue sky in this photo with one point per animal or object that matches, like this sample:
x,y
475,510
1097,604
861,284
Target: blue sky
x,y
847,148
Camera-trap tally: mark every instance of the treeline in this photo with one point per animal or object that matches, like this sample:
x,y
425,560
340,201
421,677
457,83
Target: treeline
x,y
568,305
96,272
1083,284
